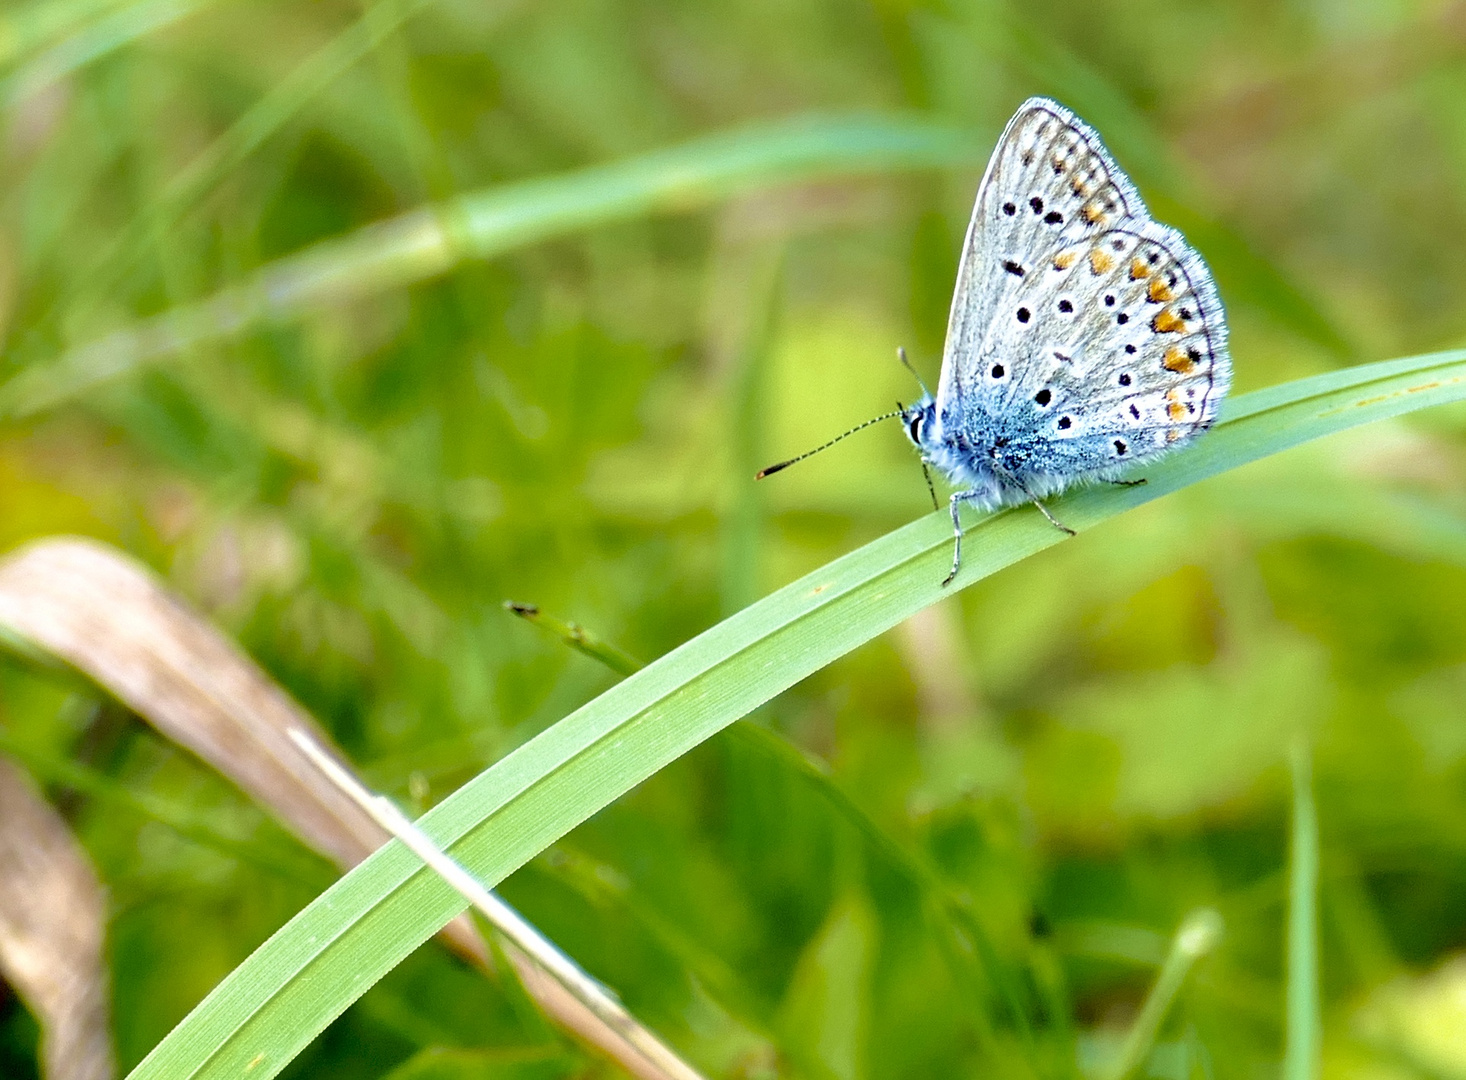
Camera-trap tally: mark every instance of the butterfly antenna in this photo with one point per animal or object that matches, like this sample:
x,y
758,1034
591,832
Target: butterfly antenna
x,y
810,453
901,355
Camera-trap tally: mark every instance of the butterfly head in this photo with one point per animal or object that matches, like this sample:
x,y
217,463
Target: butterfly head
x,y
919,420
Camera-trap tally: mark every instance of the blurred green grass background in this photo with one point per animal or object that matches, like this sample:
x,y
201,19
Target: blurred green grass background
x,y
1060,763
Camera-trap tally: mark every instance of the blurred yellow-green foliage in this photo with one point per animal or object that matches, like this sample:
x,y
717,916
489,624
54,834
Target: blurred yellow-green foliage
x,y
1075,753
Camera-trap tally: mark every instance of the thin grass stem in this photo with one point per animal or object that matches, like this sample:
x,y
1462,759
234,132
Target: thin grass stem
x,y
1197,936
1301,1045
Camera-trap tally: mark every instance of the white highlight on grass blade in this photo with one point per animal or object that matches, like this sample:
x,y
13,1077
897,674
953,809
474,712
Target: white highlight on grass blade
x,y
601,1000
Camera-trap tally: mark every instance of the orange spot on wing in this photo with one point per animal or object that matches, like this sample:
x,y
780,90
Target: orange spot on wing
x,y
1138,269
1167,322
1177,360
1093,214
1079,187
1173,435
1099,261
1159,292
1175,410
1064,259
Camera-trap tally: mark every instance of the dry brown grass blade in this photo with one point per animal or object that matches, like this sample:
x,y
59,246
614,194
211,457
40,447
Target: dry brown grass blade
x,y
52,915
111,619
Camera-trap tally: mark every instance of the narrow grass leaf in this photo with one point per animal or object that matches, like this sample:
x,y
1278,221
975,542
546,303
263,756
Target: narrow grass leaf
x,y
960,931
1300,1050
430,241
114,30
263,119
273,1004
1196,937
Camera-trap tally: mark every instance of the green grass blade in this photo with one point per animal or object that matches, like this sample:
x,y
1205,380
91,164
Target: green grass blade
x,y
273,1004
1196,937
950,910
29,29
281,104
430,241
1300,1052
114,30
578,638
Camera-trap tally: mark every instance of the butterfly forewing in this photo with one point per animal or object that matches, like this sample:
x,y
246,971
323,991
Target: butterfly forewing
x,y
1049,186
1080,327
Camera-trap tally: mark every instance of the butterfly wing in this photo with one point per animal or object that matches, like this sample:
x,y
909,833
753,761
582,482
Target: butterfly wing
x,y
1049,184
1130,356
1080,328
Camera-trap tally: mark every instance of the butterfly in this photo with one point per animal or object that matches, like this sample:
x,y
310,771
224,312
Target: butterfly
x,y
1085,337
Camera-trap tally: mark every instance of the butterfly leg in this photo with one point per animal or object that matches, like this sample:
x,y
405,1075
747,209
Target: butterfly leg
x,y
1055,522
957,499
1042,509
1126,483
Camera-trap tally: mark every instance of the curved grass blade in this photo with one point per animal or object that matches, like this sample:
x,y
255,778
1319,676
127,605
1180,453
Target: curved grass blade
x,y
104,36
961,934
1196,937
428,242
274,1003
1303,1035
280,104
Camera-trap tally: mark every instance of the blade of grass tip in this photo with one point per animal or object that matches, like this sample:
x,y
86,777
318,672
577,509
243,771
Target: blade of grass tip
x,y
578,638
270,1007
1301,1045
1197,936
418,245
962,932
501,916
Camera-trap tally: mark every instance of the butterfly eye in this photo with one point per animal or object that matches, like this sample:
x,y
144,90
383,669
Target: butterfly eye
x,y
916,427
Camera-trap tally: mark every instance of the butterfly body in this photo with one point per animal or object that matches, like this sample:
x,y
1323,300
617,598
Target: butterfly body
x,y
1084,337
